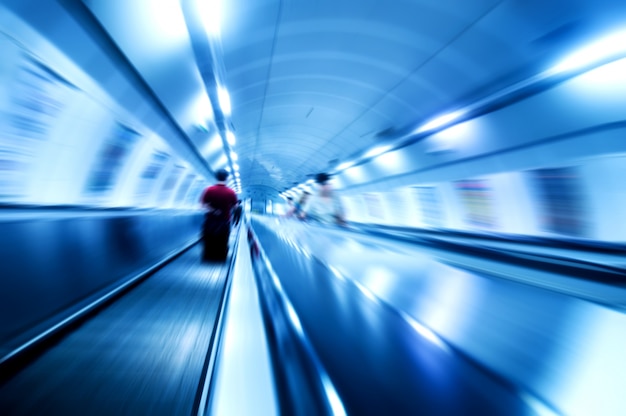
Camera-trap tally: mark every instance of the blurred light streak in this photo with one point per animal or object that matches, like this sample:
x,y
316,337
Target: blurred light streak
x,y
368,293
450,138
295,320
377,151
449,302
355,173
592,378
538,406
230,138
440,121
609,47
329,389
333,397
380,279
224,100
187,343
337,273
390,160
165,20
345,165
202,110
607,76
211,15
424,331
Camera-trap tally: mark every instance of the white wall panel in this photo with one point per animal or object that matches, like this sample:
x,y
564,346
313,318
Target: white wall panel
x,y
605,188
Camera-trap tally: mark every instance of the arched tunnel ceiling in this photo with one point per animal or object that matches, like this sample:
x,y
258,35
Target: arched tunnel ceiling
x,y
313,83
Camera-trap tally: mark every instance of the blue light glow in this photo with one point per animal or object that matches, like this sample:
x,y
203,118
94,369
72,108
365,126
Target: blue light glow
x,y
377,151
612,46
440,121
230,137
224,99
211,15
345,165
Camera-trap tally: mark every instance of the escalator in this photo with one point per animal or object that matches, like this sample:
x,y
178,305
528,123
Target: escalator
x,y
145,353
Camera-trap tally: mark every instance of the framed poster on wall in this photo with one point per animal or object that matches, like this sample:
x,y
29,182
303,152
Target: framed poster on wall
x,y
374,205
561,200
149,176
169,185
476,198
108,164
32,100
183,188
430,204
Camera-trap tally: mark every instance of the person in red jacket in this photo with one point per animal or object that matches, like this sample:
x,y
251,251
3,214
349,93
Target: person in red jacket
x,y
218,200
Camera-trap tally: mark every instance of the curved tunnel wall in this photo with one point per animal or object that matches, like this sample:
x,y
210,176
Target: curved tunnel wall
x,y
95,186
548,165
76,128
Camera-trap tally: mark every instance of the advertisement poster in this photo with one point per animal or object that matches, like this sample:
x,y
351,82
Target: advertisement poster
x,y
183,188
114,152
32,98
173,176
192,199
397,207
432,211
374,206
477,202
149,176
561,200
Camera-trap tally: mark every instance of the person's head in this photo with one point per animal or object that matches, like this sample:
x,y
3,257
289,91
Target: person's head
x,y
221,175
322,178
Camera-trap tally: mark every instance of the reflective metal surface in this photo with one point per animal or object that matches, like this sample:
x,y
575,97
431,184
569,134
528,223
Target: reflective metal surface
x,y
556,352
144,354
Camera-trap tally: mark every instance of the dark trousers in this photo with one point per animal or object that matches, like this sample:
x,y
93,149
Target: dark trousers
x,y
215,234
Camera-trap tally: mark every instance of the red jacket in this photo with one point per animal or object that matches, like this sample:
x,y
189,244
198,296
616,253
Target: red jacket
x,y
220,199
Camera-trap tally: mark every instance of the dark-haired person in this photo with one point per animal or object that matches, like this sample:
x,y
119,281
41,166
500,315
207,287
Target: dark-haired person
x,y
324,205
218,200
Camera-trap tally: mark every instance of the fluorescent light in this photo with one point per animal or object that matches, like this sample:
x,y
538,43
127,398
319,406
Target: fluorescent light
x,y
453,137
230,137
224,99
235,166
211,16
377,151
611,46
440,121
234,156
163,22
345,165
